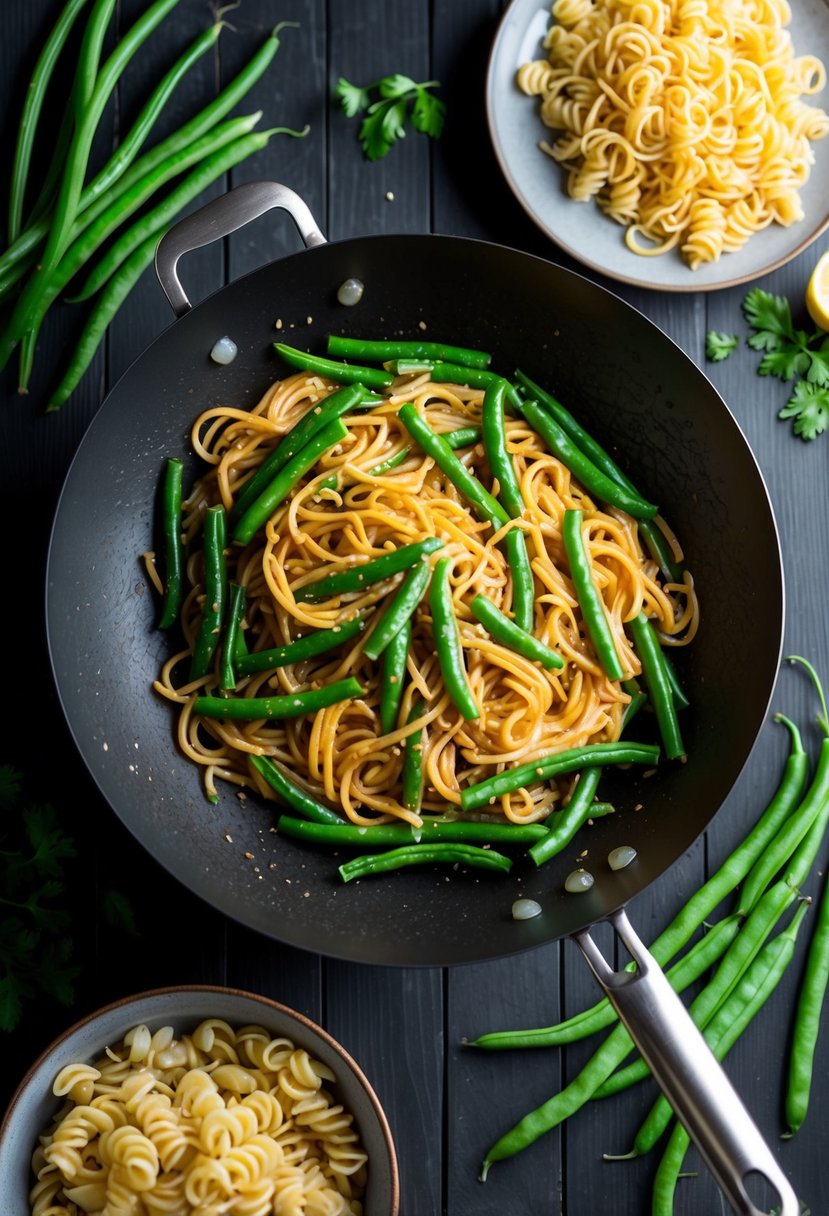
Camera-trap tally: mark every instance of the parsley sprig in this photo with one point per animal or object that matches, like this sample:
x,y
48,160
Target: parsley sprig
x,y
399,99
789,354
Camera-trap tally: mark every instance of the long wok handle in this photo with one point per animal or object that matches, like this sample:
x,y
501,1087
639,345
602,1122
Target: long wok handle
x,y
218,219
688,1073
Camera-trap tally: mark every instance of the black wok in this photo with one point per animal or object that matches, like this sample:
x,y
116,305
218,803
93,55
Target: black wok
x,y
629,383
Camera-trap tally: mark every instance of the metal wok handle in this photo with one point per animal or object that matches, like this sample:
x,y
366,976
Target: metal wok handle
x,y
689,1075
219,218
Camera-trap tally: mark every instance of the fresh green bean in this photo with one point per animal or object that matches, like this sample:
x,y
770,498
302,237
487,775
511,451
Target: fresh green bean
x,y
590,600
424,854
215,591
448,642
463,437
340,373
471,377
393,835
89,57
296,797
554,765
411,776
357,578
393,676
660,550
173,544
343,347
308,647
290,705
523,585
385,466
658,685
400,609
235,612
513,636
32,106
434,445
563,824
678,693
807,1020
286,479
495,446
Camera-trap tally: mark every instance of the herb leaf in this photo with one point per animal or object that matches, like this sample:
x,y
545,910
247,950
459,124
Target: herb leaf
x,y
809,407
399,100
771,317
718,345
352,99
428,113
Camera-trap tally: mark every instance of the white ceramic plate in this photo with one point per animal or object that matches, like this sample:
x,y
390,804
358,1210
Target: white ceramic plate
x,y
581,229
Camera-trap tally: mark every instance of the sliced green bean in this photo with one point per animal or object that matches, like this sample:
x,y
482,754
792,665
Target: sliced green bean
x,y
340,373
296,797
215,591
385,466
393,677
289,705
434,445
278,489
495,446
357,578
321,641
523,584
235,612
448,642
173,544
394,835
400,609
463,437
524,775
411,781
590,600
366,348
513,636
424,854
658,685
563,824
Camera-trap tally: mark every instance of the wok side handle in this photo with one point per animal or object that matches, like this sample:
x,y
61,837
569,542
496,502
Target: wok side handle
x,y
218,219
688,1073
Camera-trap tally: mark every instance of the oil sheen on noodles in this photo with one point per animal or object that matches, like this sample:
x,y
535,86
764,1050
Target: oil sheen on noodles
x,y
684,119
341,754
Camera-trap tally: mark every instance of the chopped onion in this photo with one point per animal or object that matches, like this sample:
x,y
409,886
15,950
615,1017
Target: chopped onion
x,y
225,350
525,909
578,881
618,858
350,292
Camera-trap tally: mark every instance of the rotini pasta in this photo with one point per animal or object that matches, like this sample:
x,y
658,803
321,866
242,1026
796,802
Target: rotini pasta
x,y
684,119
169,1127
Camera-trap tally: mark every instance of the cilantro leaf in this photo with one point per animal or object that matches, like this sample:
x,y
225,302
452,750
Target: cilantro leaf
x,y
809,407
399,100
818,372
10,783
428,113
771,317
119,912
352,98
397,86
785,363
718,345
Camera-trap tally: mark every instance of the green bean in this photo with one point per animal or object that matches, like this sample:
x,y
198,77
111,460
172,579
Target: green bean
x,y
173,544
554,765
424,854
291,705
590,600
495,446
513,636
89,57
296,797
448,642
357,578
471,377
394,835
411,776
235,612
463,437
32,106
563,824
298,651
366,348
592,478
340,373
658,685
677,691
11,277
400,609
660,550
393,676
286,479
523,585
807,1020
215,592
385,466
434,445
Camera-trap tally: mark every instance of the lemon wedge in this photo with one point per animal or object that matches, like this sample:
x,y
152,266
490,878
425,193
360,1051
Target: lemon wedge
x,y
817,293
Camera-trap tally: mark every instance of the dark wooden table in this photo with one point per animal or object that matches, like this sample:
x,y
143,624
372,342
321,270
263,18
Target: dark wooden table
x,y
445,1104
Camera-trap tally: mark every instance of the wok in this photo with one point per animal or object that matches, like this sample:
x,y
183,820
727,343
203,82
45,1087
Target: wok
x,y
665,424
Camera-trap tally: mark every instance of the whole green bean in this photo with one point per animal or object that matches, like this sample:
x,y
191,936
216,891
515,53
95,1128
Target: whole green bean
x,y
448,642
424,854
434,445
523,585
554,765
471,377
215,592
411,777
658,685
343,347
298,651
513,636
393,677
590,601
807,1020
286,479
173,544
495,446
393,835
296,797
562,825
340,373
235,612
400,610
289,705
357,578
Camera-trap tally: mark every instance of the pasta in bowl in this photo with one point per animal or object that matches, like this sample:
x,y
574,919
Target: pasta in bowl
x,y
197,1100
